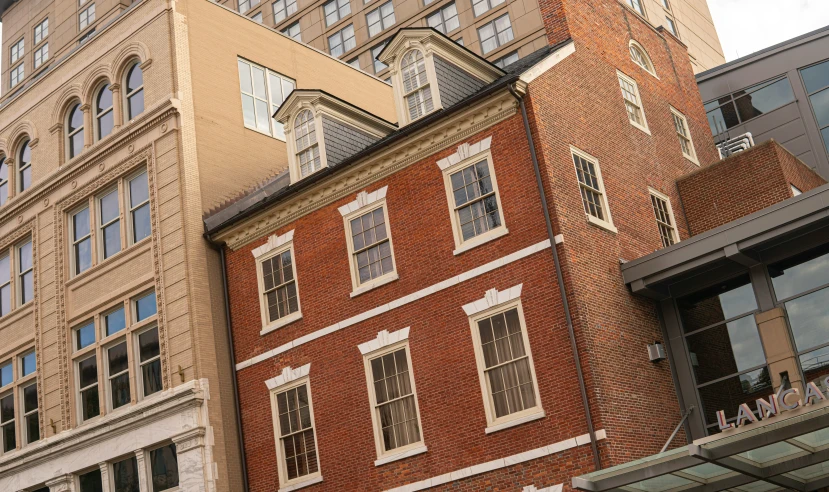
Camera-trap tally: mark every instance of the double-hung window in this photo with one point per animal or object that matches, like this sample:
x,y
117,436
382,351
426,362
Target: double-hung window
x,y
138,193
25,272
342,41
263,91
472,192
293,31
278,291
19,408
664,215
380,18
86,370
671,25
633,102
416,89
504,360
16,276
369,242
86,17
17,75
17,50
109,223
336,10
283,9
296,443
375,52
684,135
483,6
307,145
591,188
393,399
31,420
41,31
636,5
495,34
445,19
245,5
506,60
41,55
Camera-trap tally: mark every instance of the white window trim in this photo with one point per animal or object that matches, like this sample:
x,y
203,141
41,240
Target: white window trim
x,y
366,203
24,430
276,245
652,69
495,304
139,373
692,158
293,168
644,126
667,200
82,355
466,155
100,226
431,81
386,343
604,224
107,344
272,133
290,379
130,210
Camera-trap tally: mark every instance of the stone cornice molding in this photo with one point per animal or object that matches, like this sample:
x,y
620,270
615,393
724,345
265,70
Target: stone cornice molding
x,y
364,199
288,375
273,243
465,150
493,298
383,340
48,184
439,136
190,395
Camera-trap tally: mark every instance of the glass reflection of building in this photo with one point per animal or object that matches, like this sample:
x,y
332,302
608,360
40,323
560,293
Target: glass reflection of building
x,y
816,81
739,107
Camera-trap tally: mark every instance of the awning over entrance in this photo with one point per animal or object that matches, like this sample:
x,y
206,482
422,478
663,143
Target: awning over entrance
x,y
777,454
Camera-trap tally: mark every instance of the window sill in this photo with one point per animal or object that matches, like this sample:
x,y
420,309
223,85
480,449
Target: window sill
x,y
399,456
267,134
299,485
637,125
515,422
692,159
284,321
601,223
482,239
374,284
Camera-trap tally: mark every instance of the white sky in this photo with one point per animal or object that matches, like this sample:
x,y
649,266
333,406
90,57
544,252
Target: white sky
x,y
746,26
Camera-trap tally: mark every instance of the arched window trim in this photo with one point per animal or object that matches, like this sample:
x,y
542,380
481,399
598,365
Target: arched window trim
x,y
24,170
77,130
4,181
99,115
421,94
129,94
306,144
646,63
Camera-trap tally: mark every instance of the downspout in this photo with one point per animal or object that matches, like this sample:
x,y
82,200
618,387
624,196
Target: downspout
x,y
567,315
220,248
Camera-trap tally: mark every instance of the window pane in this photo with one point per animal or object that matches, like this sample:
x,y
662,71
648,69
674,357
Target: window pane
x,y
815,364
135,79
800,273
120,389
136,103
726,349
151,376
115,321
820,104
141,227
125,475
148,345
6,374
809,319
723,301
80,224
139,190
90,403
729,394
111,239
109,207
145,307
88,372
164,468
816,77
764,100
85,336
91,481
28,364
30,399
118,361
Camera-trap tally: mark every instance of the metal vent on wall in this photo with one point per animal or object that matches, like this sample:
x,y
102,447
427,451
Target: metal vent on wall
x,y
734,145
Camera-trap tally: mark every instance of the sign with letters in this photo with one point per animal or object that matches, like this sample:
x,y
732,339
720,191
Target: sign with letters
x,y
782,401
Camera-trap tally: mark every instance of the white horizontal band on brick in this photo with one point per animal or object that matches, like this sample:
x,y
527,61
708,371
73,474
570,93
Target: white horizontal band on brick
x,y
287,376
465,150
363,200
554,488
273,243
384,339
475,272
501,463
492,298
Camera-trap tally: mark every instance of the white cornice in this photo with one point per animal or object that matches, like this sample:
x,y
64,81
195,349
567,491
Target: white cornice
x,y
363,200
288,375
548,62
273,243
492,298
384,339
465,150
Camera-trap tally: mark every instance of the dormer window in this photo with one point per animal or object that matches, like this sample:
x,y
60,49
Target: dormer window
x,y
416,88
308,149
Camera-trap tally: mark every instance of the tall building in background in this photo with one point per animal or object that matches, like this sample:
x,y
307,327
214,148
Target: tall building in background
x,y
502,31
781,92
121,124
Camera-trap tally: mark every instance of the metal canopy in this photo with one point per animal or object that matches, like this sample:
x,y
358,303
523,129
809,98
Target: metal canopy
x,y
787,452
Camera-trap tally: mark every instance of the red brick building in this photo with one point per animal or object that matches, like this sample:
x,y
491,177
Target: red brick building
x,y
438,303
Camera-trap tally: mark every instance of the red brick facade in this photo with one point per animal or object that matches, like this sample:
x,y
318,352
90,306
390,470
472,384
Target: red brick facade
x,y
577,103
743,184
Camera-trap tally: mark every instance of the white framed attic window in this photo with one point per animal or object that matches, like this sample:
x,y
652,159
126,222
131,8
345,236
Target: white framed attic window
x,y
370,248
277,282
633,102
472,194
641,58
591,189
684,135
417,89
306,147
505,365
393,397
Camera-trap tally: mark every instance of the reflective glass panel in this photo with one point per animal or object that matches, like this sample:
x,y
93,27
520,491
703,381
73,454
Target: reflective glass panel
x,y
145,306
125,475
91,481
809,319
717,303
816,77
164,468
800,273
28,364
820,105
764,100
726,349
730,393
114,321
85,336
6,374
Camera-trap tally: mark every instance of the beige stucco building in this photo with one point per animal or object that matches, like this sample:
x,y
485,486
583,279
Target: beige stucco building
x,y
500,30
124,126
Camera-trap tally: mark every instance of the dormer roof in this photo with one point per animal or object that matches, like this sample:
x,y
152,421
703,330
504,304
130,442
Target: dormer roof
x,y
319,100
433,41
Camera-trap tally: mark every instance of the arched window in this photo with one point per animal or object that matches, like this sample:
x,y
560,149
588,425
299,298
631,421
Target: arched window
x,y
135,91
24,167
74,130
416,89
103,111
640,57
307,148
4,180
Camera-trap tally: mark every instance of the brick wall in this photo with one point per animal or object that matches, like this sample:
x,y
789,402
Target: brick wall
x,y
743,184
